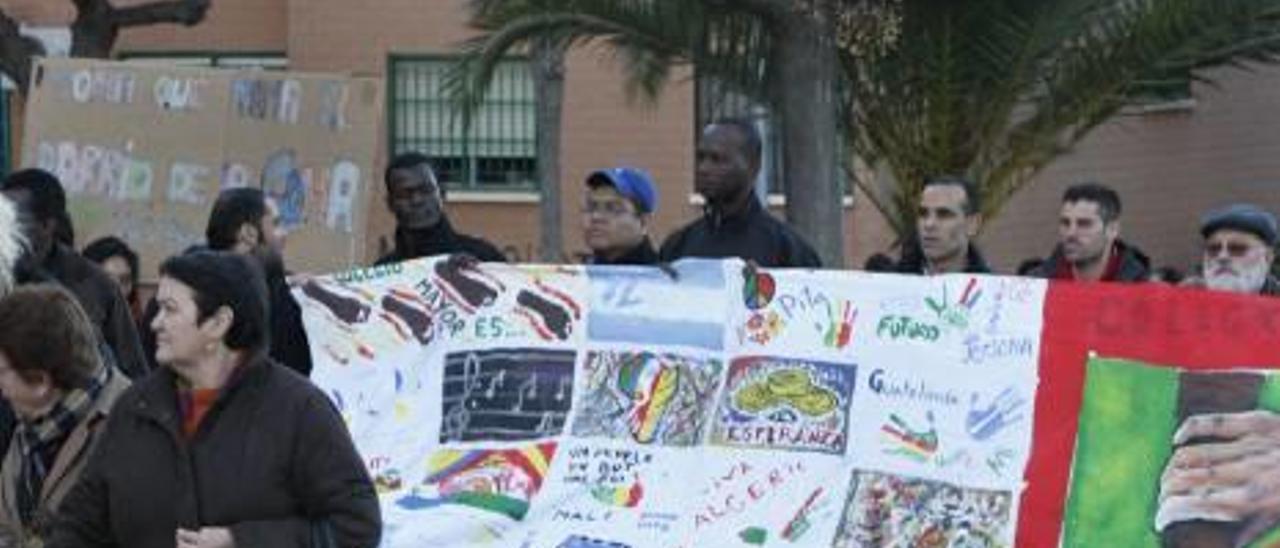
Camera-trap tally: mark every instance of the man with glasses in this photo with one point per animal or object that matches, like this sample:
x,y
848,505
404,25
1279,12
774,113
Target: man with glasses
x,y
1239,243
1219,486
615,219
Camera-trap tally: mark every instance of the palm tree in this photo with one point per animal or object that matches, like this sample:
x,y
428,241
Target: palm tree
x,y
997,89
94,30
992,89
779,52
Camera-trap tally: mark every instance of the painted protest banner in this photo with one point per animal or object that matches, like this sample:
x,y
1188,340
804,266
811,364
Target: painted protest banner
x,y
144,150
534,406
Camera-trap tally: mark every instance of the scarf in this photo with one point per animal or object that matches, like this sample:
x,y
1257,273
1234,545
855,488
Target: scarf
x,y
41,438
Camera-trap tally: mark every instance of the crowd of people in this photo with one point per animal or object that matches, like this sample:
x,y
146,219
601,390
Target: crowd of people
x,y
188,420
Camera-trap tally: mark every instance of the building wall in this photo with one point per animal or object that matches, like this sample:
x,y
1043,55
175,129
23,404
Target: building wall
x,y
599,127
1168,167
230,25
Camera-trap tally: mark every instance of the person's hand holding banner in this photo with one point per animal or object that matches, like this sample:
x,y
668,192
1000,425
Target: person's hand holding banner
x,y
1232,474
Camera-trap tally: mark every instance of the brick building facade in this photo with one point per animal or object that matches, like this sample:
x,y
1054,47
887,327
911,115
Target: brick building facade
x,y
1168,165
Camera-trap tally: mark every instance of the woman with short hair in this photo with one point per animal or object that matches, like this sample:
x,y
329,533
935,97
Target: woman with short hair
x,y
61,391
120,262
220,447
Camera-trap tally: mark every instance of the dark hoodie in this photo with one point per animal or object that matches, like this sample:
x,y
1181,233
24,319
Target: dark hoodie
x,y
642,254
1129,264
913,260
749,234
439,240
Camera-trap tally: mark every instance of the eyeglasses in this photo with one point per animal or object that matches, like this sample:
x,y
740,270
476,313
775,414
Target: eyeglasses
x,y
1233,249
608,209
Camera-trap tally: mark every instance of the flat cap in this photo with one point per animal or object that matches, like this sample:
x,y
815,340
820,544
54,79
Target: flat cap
x,y
1244,217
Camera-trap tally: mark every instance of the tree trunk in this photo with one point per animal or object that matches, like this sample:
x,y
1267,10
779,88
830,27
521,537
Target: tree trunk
x,y
548,80
806,110
93,32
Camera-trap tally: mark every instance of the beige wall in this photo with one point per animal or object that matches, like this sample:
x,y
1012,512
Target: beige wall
x,y
599,129
1168,167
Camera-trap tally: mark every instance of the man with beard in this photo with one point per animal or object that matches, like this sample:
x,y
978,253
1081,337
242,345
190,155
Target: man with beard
x,y
734,223
1222,482
1239,242
246,221
947,220
1089,245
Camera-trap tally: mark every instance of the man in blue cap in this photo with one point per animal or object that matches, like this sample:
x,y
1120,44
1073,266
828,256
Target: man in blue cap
x,y
1239,243
616,217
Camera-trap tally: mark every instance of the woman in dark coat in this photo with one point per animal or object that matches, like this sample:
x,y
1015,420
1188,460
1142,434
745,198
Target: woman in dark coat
x,y
221,447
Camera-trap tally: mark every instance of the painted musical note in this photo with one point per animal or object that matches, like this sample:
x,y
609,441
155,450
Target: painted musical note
x,y
506,395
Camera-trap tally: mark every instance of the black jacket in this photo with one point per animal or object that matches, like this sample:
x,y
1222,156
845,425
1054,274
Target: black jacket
x,y
642,254
439,240
752,234
913,260
289,344
106,307
270,460
1135,266
1270,288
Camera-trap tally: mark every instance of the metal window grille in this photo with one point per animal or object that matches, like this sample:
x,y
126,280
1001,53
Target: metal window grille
x,y
498,152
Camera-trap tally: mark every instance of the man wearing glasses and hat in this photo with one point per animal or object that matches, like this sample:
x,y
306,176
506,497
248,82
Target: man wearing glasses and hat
x,y
1239,242
616,217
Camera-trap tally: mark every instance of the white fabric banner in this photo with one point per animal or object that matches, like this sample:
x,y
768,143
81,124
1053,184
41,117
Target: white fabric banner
x,y
585,407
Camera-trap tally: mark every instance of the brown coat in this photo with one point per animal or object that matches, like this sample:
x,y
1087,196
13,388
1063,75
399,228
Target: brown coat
x,y
68,465
271,461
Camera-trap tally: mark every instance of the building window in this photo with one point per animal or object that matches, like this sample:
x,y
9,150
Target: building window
x,y
497,153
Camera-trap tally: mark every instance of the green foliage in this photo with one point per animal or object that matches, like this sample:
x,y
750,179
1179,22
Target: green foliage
x,y
991,89
997,89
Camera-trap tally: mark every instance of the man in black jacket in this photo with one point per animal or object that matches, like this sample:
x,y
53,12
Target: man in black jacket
x,y
734,223
947,220
416,199
615,219
40,202
246,221
1089,245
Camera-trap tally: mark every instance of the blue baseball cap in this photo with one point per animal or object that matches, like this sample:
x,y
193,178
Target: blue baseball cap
x,y
630,182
